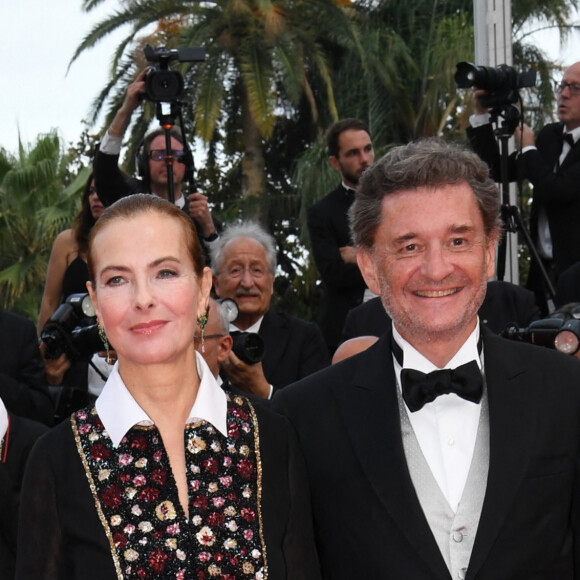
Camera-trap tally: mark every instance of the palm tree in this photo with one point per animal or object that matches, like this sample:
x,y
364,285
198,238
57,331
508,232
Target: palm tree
x,y
34,207
263,59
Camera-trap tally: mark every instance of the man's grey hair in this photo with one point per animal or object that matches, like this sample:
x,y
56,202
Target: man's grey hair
x,y
250,230
223,322
430,163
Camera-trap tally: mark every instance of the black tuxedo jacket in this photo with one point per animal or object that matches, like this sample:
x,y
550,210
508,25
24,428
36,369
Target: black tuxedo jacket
x,y
368,519
557,191
504,303
343,284
294,349
23,386
22,435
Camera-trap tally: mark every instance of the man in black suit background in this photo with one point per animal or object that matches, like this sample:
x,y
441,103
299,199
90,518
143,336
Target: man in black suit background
x,y
23,385
244,266
551,163
351,152
468,473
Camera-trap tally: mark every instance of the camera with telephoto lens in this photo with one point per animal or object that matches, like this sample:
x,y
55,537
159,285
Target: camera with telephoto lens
x,y
561,333
163,85
72,330
500,83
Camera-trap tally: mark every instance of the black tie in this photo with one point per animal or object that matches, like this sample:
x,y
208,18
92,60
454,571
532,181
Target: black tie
x,y
569,139
420,388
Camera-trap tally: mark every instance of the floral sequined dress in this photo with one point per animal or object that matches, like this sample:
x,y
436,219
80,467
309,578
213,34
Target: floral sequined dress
x,y
105,512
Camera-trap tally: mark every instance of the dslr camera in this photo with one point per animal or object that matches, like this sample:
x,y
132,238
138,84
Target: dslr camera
x,y
500,83
163,85
563,335
72,329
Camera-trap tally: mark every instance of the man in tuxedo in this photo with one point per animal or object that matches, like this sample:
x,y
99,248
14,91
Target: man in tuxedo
x,y
552,165
112,184
442,451
244,266
351,152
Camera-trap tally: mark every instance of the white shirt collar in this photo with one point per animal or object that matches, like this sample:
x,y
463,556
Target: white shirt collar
x,y
3,420
254,328
119,411
415,360
574,132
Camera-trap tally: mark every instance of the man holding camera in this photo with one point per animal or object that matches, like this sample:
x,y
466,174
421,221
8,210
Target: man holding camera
x,y
552,165
244,266
112,184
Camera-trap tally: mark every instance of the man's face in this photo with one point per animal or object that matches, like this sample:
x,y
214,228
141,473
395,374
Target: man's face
x,y
568,104
158,169
245,277
217,343
430,262
355,154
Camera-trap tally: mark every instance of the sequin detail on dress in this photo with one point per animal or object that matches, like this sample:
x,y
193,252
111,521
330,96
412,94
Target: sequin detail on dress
x,y
137,501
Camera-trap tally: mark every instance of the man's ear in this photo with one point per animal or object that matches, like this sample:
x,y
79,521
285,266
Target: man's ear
x,y
490,250
224,347
367,266
334,163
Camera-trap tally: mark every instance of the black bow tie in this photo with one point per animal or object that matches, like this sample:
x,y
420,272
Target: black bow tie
x,y
420,388
569,139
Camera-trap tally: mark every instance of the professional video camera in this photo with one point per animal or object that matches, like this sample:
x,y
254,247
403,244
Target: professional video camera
x,y
249,347
500,83
563,335
163,85
72,329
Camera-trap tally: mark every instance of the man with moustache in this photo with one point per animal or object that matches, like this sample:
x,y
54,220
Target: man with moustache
x,y
442,451
112,184
551,163
244,265
351,152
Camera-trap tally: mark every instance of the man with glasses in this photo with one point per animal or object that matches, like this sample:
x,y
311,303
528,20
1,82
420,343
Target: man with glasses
x,y
551,163
112,184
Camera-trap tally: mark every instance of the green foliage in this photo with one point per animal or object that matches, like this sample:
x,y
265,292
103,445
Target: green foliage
x,y
34,208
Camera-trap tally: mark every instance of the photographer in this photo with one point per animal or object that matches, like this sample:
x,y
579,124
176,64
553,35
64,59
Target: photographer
x,y
244,266
112,183
551,163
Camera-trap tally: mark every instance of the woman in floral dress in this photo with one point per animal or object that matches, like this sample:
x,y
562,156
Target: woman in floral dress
x,y
167,476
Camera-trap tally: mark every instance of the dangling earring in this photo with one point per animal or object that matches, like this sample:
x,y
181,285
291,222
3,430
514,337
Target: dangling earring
x,y
103,337
202,321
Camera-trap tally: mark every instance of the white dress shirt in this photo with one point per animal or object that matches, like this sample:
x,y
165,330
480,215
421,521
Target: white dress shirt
x,y
446,429
119,411
3,420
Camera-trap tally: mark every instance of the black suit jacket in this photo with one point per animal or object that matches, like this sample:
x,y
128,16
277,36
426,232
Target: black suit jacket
x,y
294,349
343,284
22,435
61,536
368,520
557,191
23,386
504,303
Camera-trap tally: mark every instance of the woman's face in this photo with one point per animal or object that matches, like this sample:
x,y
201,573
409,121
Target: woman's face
x,y
97,208
146,293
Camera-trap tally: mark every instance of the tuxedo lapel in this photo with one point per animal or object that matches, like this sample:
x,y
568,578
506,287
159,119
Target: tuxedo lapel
x,y
275,341
371,414
512,414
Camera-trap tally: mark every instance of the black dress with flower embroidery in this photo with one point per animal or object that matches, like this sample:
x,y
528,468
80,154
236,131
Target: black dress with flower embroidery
x,y
94,511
